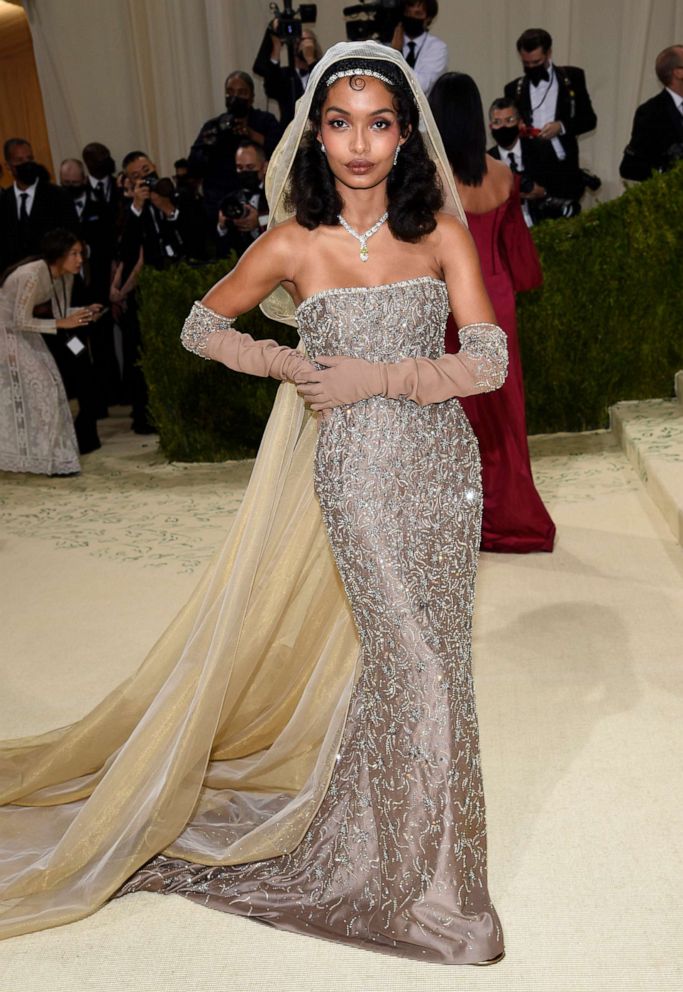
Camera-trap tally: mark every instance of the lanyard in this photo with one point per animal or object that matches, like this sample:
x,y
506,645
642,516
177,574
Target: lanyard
x,y
63,306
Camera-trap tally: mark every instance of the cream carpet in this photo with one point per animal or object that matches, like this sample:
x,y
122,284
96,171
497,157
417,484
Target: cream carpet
x,y
578,670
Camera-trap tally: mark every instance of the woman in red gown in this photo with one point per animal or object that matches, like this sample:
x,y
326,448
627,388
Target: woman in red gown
x,y
515,518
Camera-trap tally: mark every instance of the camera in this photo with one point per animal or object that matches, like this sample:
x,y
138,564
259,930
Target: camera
x,y
590,180
162,187
234,205
526,183
289,21
377,19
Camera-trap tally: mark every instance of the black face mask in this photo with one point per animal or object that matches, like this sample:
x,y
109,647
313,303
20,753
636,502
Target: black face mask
x,y
100,170
505,136
249,180
535,73
28,172
413,27
74,192
237,106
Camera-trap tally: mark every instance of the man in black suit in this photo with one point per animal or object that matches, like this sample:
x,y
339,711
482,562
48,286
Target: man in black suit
x,y
657,136
31,207
213,152
553,100
549,187
237,231
285,84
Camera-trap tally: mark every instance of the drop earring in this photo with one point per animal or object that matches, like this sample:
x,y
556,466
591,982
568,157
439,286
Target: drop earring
x,y
323,149
398,149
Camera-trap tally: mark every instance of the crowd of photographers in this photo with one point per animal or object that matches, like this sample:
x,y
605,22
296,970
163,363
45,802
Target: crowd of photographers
x,y
215,202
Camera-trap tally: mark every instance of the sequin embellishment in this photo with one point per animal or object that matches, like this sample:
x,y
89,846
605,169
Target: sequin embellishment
x,y
395,857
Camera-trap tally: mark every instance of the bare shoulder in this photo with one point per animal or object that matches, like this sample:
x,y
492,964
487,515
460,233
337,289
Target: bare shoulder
x,y
286,241
451,237
498,170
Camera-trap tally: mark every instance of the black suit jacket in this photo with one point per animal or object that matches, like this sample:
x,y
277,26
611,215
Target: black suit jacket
x,y
557,177
657,125
98,228
574,108
51,208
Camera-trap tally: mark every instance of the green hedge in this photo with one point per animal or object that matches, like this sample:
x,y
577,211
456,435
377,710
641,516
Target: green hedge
x,y
202,410
606,324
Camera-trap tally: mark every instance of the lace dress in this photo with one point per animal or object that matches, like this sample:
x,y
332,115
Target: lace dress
x,y
395,857
36,427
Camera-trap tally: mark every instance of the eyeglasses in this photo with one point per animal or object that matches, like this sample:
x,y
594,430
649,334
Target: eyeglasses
x,y
503,121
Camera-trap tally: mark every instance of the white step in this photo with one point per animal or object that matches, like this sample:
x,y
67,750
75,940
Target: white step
x,y
650,433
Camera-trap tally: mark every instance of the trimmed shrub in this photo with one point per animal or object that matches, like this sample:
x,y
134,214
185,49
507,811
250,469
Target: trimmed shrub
x,y
606,324
203,411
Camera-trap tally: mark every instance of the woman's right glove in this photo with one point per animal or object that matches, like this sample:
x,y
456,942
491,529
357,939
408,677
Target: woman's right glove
x,y
210,335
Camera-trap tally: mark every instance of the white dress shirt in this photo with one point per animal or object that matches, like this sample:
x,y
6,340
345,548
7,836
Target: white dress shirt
x,y
431,58
106,186
505,154
31,191
543,99
677,99
79,204
516,150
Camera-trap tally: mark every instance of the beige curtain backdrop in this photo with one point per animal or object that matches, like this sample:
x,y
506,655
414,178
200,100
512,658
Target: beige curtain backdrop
x,y
21,106
147,73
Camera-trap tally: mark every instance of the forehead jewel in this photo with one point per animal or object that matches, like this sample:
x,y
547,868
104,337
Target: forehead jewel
x,y
358,72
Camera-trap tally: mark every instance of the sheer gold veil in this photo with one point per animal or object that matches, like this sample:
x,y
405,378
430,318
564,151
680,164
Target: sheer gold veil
x,y
279,304
220,747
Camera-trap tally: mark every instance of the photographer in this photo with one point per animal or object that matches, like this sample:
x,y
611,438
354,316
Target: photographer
x,y
213,152
167,225
550,187
243,213
161,227
285,84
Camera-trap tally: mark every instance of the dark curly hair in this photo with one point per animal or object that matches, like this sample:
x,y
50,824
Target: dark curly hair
x,y
413,187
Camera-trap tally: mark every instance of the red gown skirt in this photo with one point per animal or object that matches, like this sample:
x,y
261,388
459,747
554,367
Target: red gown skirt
x,y
515,518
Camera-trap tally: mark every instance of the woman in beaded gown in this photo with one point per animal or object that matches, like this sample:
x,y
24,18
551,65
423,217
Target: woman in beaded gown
x,y
321,772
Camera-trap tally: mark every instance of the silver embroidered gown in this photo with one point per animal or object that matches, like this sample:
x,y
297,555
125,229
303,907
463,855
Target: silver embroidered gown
x,y
395,857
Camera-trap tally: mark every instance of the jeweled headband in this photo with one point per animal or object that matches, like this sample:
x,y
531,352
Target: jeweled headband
x,y
358,72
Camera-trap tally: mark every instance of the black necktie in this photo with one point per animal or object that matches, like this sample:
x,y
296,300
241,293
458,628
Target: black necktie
x,y
23,211
410,57
99,191
513,161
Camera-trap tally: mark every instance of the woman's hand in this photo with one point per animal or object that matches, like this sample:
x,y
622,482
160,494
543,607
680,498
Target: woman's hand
x,y
78,319
343,381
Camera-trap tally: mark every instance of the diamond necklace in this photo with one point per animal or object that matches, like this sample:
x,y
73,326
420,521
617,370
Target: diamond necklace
x,y
363,238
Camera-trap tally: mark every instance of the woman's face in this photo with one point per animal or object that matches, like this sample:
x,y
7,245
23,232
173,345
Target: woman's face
x,y
72,260
360,131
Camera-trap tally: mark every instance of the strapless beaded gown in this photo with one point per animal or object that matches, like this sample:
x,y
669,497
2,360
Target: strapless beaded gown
x,y
395,857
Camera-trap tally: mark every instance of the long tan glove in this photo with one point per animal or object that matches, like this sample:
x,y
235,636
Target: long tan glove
x,y
479,367
210,335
